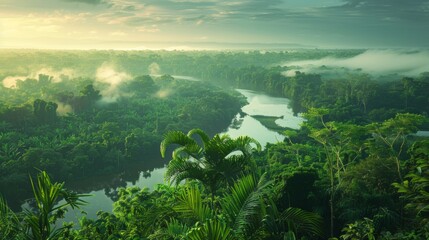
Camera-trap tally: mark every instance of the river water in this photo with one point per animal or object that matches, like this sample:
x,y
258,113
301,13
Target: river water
x,y
244,124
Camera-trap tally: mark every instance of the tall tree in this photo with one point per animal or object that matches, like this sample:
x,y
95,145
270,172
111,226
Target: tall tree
x,y
342,144
219,159
39,223
391,136
415,189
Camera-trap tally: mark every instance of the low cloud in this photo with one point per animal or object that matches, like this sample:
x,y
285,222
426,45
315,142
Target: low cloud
x,y
154,69
10,81
55,75
108,74
377,62
64,109
163,93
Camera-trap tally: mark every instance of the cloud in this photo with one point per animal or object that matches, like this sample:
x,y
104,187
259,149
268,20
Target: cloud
x,y
376,62
125,5
163,93
85,1
385,3
134,13
154,69
118,33
333,23
56,76
10,81
199,22
151,29
108,74
64,109
389,9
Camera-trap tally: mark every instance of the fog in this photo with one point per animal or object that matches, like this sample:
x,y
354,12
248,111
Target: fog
x,y
376,62
64,109
10,81
154,69
56,76
163,93
108,74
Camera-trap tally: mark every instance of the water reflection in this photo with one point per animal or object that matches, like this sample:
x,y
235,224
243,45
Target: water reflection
x,y
263,105
254,129
150,172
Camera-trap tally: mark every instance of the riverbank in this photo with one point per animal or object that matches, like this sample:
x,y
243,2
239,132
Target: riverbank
x,y
270,123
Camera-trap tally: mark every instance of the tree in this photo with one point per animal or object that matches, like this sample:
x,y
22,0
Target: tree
x,y
89,96
409,86
342,144
365,90
89,92
45,112
393,134
219,160
141,86
362,229
38,224
9,222
415,189
246,211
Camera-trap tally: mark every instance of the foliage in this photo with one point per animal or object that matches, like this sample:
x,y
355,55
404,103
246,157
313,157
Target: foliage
x,y
362,230
219,159
358,139
415,189
39,223
9,222
68,127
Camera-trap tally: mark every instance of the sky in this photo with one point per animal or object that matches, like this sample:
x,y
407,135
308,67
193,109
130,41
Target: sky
x,y
193,24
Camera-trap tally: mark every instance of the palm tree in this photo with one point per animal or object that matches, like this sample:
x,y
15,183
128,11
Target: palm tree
x,y
247,211
9,222
38,224
220,160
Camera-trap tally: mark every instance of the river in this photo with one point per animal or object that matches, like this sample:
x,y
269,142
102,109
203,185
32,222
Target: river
x,y
259,104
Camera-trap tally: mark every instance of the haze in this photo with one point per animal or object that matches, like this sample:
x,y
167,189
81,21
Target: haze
x,y
213,24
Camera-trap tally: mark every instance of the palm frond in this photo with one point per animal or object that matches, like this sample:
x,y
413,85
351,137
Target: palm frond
x,y
173,230
73,199
177,137
244,143
204,137
217,149
232,166
33,226
9,222
212,229
46,193
245,201
184,151
181,168
176,228
290,235
304,222
190,205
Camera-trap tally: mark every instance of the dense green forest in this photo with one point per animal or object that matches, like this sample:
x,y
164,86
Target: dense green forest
x,y
71,130
356,169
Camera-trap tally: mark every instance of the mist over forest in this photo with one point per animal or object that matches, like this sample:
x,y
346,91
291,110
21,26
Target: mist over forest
x,y
214,119
374,62
98,119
